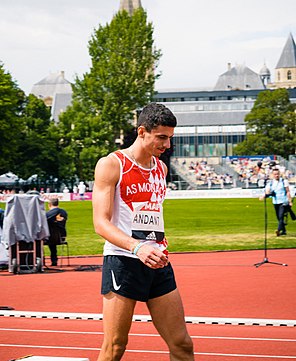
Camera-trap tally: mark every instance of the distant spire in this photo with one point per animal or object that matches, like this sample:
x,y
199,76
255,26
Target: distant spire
x,y
288,57
130,5
265,74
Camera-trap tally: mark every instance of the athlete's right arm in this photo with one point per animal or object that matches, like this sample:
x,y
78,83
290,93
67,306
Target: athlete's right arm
x,y
107,175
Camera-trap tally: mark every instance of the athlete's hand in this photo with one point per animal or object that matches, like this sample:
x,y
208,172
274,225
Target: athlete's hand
x,y
152,257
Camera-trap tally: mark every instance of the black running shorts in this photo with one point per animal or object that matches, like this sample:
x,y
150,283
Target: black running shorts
x,y
129,277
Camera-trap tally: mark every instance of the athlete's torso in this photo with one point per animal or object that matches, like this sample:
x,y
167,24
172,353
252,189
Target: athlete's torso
x,y
138,210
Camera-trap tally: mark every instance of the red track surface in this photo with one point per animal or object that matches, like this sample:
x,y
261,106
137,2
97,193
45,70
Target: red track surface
x,y
219,285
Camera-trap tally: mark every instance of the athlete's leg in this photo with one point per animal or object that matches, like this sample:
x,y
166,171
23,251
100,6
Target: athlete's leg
x,y
168,317
117,317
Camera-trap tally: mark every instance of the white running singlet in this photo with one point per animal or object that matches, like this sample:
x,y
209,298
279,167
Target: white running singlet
x,y
138,212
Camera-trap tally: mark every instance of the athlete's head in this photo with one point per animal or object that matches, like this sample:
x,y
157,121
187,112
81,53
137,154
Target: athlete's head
x,y
154,115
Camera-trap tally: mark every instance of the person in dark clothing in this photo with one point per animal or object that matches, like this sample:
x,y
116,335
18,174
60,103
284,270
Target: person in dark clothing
x,y
56,219
1,217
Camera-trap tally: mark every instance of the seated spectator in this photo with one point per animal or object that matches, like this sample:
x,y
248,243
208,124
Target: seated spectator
x,y
59,217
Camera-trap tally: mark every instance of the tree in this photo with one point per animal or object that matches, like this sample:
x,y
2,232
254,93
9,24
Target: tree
x,y
28,137
270,125
11,103
83,139
38,153
121,80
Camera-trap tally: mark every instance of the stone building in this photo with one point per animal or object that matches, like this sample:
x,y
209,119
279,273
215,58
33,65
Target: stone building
x,y
130,5
56,92
239,77
285,70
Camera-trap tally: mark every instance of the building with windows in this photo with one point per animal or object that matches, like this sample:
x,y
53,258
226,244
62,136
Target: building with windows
x,y
211,123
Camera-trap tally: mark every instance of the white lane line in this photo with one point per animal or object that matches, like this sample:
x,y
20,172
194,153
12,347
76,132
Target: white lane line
x,y
245,355
246,338
149,351
147,318
150,335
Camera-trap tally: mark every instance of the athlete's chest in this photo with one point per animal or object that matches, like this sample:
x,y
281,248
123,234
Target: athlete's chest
x,y
143,186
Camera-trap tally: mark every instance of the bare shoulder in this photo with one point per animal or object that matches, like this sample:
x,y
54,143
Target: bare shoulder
x,y
109,160
107,168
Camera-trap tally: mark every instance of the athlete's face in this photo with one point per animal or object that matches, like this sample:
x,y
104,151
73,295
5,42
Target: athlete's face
x,y
158,140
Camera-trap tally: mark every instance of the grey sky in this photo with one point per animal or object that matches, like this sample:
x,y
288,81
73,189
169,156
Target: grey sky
x,y
197,38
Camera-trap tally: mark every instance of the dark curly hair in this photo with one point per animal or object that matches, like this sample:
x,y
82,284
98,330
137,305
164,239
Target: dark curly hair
x,y
154,115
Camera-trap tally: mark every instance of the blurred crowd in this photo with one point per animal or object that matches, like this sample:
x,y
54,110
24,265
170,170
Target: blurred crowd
x,y
203,173
252,172
249,172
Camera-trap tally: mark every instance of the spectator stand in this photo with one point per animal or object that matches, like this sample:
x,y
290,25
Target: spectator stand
x,y
228,172
201,173
255,171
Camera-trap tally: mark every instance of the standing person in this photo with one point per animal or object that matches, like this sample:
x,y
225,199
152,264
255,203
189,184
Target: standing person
x,y
55,216
127,202
81,190
278,189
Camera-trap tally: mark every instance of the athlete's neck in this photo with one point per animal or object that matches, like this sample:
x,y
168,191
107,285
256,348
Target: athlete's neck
x,y
140,159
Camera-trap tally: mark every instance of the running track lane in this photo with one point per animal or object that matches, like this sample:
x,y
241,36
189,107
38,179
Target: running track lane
x,y
220,284
73,338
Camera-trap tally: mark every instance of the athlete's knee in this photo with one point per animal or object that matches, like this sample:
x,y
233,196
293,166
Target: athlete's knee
x,y
114,349
118,347
182,348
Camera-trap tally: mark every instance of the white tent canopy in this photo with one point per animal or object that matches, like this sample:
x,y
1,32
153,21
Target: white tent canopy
x,y
8,178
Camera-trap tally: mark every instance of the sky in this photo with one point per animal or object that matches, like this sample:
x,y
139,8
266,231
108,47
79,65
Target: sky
x,y
197,38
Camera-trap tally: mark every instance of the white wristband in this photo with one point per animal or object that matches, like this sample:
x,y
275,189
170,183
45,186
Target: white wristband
x,y
138,246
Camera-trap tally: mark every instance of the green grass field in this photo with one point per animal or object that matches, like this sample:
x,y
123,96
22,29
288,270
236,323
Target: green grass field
x,y
193,225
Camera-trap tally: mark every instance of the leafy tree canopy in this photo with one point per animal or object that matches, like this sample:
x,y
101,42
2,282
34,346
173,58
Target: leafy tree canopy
x,y
38,152
121,79
270,125
11,104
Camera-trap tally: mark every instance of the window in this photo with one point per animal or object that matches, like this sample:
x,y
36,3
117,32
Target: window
x,y
188,99
185,130
278,76
289,75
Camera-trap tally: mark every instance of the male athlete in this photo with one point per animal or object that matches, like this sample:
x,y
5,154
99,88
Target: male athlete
x,y
127,209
